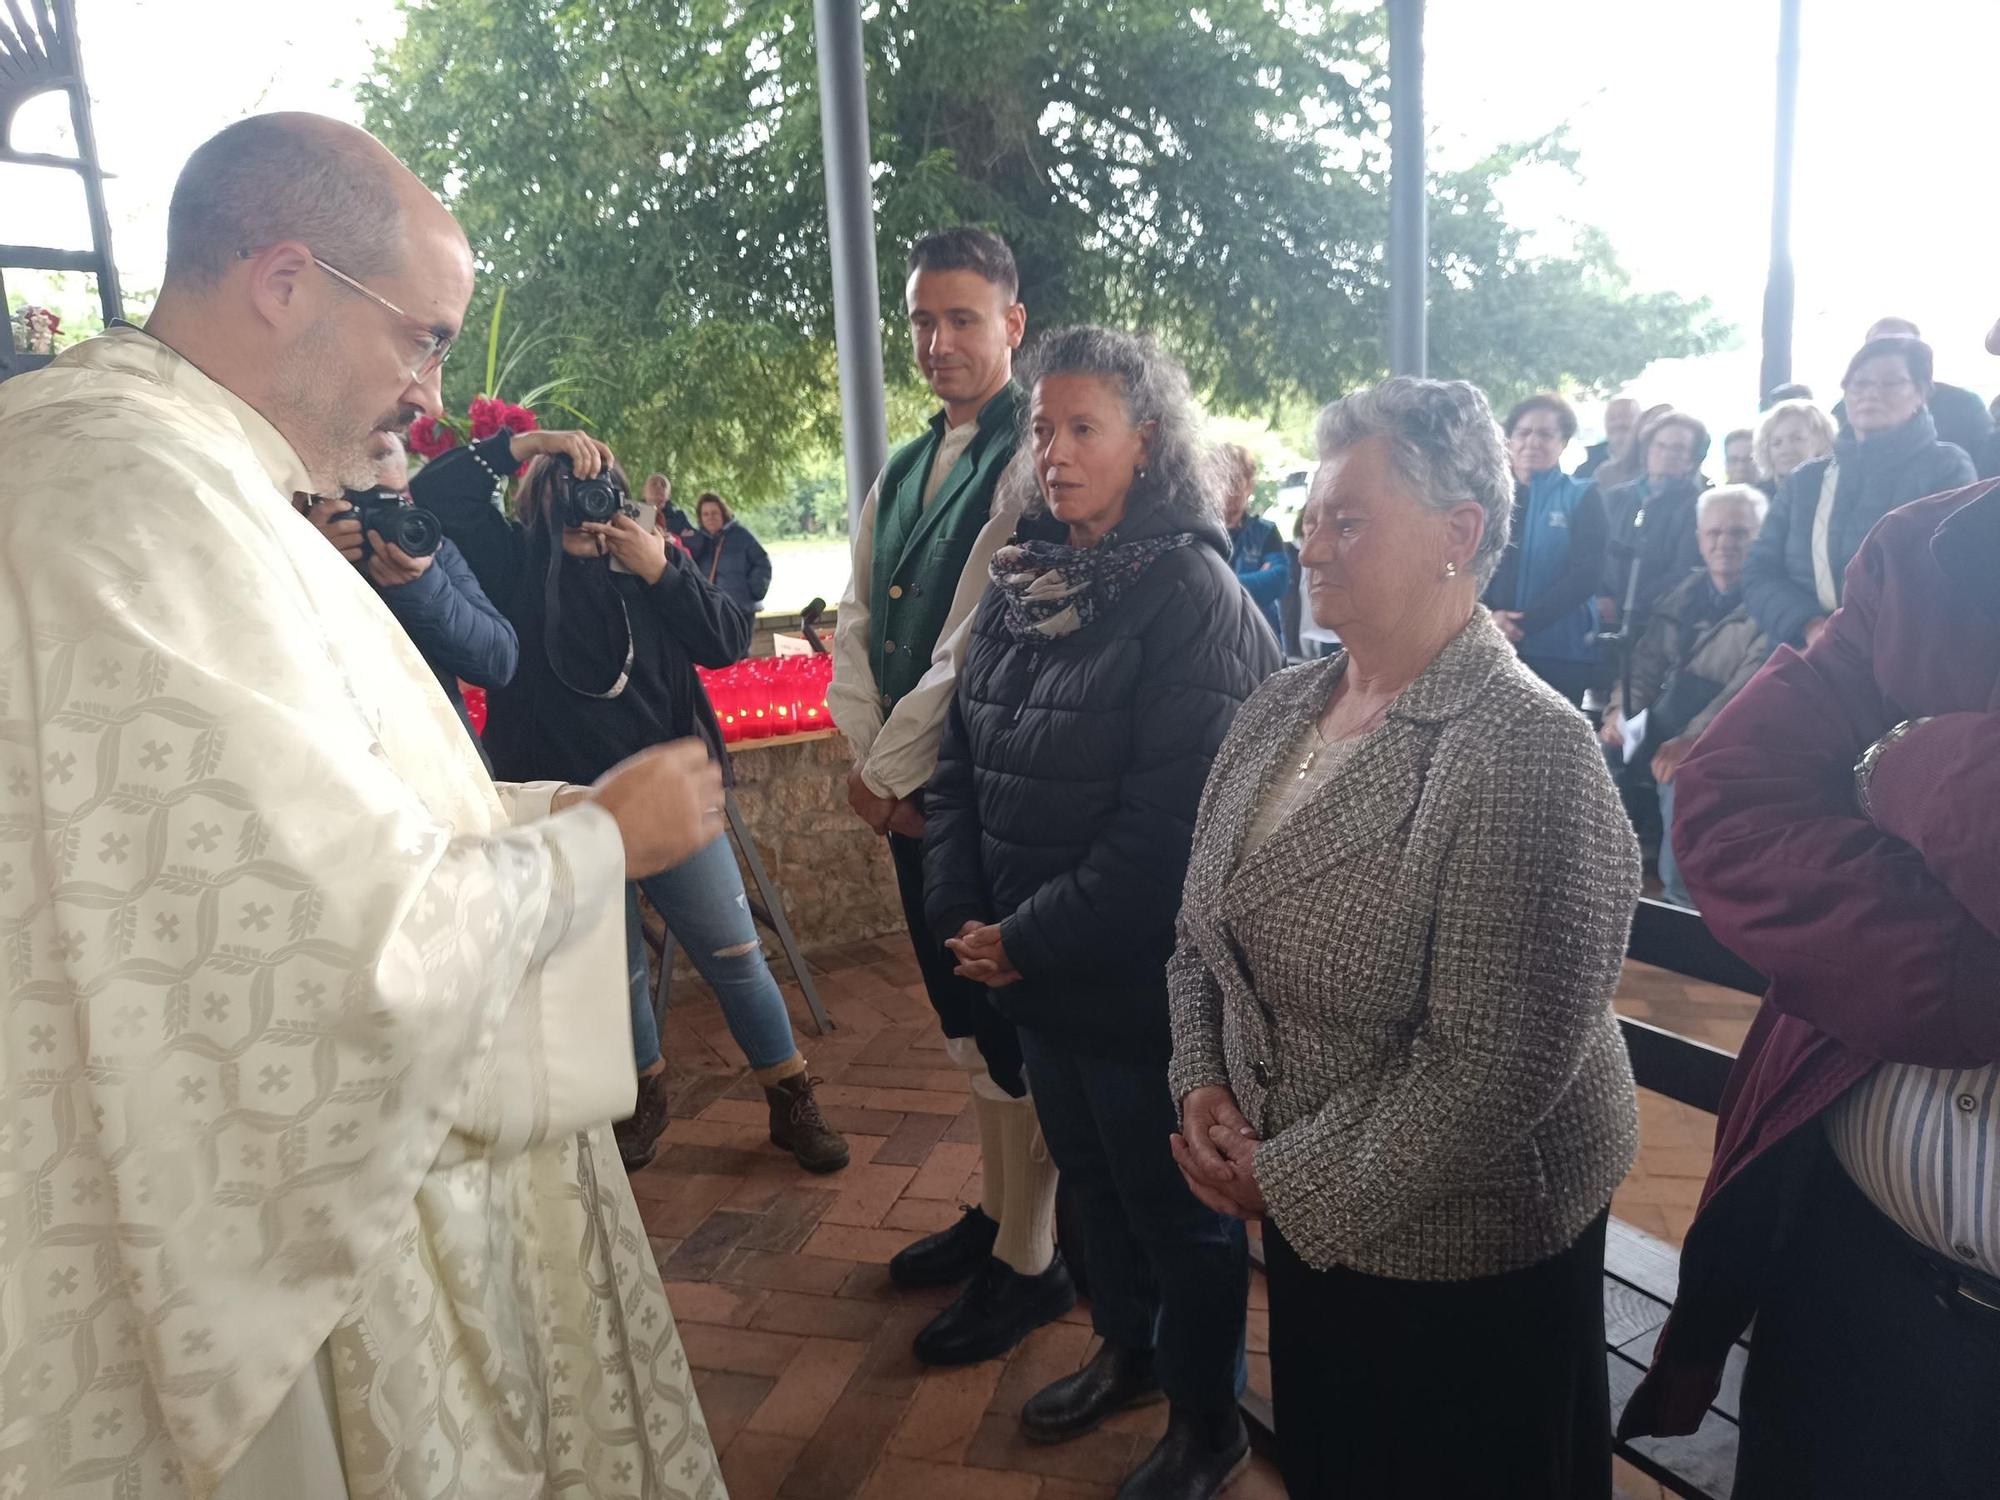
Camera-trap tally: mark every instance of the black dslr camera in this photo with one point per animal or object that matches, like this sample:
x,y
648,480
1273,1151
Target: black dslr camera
x,y
581,502
409,527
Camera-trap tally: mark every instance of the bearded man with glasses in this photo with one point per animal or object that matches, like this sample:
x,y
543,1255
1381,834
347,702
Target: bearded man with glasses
x,y
310,1035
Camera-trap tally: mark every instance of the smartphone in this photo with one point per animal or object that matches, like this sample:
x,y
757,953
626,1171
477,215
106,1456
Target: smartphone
x,y
648,517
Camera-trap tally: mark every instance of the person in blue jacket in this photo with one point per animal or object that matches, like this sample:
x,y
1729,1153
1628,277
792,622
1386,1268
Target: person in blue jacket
x,y
461,636
1541,593
1256,551
727,554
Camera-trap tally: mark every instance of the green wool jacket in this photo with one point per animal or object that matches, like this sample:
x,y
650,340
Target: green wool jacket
x,y
920,552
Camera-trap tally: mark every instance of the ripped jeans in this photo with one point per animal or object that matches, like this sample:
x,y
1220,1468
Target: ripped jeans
x,y
705,908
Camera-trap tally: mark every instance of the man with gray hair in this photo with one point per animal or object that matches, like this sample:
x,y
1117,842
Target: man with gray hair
x,y
1700,648
313,1035
1621,437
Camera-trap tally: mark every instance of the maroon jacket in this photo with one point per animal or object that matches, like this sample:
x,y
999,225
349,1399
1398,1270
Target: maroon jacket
x,y
1881,939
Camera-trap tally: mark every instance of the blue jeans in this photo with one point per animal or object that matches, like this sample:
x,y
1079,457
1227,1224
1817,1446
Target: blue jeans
x,y
1166,1274
1676,889
705,908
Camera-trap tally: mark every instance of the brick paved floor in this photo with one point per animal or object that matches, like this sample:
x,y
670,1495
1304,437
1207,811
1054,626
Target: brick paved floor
x,y
800,1346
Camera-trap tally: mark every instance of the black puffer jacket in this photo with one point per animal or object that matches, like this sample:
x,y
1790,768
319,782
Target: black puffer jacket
x,y
1064,799
1780,581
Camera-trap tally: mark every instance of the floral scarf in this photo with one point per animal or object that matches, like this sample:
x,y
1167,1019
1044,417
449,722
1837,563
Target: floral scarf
x,y
1049,589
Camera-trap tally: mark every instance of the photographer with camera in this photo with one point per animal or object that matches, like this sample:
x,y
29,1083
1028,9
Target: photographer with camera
x,y
613,622
423,579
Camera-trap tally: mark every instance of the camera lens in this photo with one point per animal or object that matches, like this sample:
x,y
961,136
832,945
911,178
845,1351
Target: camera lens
x,y
596,500
417,531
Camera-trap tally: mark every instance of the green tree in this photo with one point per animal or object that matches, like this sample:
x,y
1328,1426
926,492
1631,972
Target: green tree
x,y
645,178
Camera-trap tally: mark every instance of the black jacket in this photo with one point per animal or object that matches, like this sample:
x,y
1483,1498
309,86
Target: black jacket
x,y
1656,526
734,561
456,627
1064,799
1780,582
545,725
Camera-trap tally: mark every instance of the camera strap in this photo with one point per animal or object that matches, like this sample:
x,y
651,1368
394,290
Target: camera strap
x,y
552,625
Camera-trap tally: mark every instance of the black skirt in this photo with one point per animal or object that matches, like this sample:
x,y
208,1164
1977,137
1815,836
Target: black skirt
x,y
1431,1390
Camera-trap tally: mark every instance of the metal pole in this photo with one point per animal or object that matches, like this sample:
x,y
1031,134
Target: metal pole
x,y
1409,233
850,224
1779,289
108,295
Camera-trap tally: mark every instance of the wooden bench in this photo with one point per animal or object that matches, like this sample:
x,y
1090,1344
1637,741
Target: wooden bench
x,y
1640,1271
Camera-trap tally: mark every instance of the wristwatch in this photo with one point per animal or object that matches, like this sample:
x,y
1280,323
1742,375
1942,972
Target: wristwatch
x,y
1864,768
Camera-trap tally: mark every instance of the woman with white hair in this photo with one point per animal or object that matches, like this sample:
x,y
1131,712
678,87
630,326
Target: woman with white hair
x,y
1404,919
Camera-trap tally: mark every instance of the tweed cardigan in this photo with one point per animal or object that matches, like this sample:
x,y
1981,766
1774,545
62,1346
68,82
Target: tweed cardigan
x,y
1407,986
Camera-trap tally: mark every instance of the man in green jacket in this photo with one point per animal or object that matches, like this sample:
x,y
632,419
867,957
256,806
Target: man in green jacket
x,y
926,534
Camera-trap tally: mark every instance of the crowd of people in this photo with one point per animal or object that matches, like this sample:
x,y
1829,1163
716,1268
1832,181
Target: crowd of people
x,y
321,1010
1340,942
1617,589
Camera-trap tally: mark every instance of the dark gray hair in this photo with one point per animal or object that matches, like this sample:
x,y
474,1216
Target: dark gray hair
x,y
282,177
1183,475
1444,445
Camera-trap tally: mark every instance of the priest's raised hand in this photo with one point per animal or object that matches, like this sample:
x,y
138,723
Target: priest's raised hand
x,y
667,801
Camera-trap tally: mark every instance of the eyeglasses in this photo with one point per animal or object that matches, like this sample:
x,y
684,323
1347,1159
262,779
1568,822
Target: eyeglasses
x,y
436,346
1876,387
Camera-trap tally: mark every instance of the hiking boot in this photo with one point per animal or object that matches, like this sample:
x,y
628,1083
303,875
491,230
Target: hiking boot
x,y
639,1137
950,1255
998,1309
799,1127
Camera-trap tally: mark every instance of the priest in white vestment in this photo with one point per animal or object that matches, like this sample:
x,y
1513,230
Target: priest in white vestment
x,y
310,1036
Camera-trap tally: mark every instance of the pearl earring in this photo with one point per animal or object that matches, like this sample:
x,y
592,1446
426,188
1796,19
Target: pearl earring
x,y
1451,570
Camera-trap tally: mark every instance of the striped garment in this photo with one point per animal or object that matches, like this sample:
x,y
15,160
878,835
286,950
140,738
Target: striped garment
x,y
1924,1145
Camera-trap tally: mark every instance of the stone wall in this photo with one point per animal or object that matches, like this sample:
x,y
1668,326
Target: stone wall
x,y
832,872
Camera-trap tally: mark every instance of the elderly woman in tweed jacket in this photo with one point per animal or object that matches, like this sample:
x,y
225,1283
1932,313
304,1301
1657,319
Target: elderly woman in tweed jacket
x,y
1404,919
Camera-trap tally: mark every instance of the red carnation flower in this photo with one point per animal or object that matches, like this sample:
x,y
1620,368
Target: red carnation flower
x,y
489,415
430,437
520,419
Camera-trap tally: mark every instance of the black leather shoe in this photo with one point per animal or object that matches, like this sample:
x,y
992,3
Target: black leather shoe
x,y
949,1256
1113,1381
1197,1457
993,1314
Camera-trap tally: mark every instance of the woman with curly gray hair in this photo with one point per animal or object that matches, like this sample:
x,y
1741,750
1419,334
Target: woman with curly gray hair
x,y
1104,668
1405,915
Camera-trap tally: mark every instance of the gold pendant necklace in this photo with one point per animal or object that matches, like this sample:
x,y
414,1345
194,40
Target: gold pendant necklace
x,y
1321,742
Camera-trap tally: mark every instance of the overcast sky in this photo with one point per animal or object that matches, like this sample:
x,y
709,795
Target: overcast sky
x,y
1670,106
